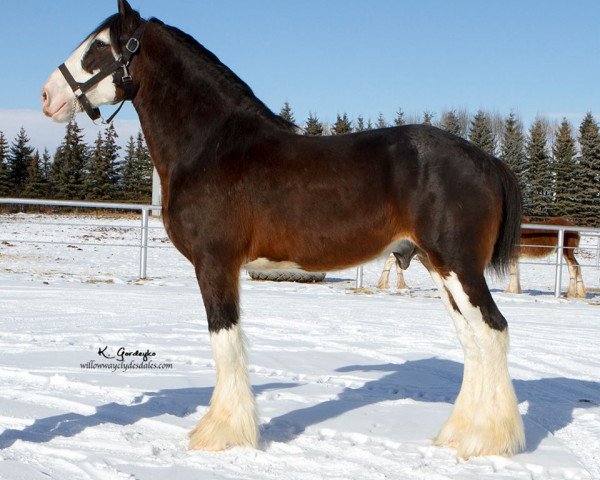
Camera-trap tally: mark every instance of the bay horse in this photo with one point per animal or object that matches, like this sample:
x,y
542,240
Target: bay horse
x,y
240,185
543,243
534,243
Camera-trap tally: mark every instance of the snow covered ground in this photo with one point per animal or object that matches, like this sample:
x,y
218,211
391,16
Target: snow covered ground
x,y
349,385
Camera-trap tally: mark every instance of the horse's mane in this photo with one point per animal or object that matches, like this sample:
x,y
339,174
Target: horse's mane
x,y
248,100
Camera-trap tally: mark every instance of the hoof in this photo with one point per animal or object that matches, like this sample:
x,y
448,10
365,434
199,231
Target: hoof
x,y
214,433
504,438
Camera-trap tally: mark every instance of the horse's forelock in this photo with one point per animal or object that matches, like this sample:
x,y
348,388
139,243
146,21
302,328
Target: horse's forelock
x,y
116,26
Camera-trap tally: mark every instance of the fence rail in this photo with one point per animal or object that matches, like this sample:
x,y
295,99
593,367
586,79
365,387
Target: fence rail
x,y
144,228
142,208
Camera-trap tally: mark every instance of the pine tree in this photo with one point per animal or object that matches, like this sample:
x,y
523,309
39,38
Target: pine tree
x,y
313,126
4,178
130,179
369,125
145,167
539,175
449,122
18,160
68,166
360,124
114,165
286,113
46,172
381,123
99,173
399,120
342,125
512,151
35,186
427,117
588,178
564,153
481,132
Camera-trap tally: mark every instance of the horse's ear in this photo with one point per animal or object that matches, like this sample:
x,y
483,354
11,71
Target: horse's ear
x,y
124,8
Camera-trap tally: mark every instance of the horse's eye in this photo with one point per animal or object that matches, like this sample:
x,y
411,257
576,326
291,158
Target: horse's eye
x,y
100,44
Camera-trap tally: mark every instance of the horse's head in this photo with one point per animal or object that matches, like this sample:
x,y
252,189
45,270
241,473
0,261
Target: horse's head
x,y
96,73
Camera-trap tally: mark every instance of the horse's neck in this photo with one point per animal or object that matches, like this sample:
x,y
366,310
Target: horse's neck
x,y
185,106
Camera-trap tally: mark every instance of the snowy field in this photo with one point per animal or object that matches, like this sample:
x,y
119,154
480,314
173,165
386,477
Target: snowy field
x,y
349,385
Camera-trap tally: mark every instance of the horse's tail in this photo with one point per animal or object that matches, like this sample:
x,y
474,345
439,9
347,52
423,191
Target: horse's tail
x,y
506,247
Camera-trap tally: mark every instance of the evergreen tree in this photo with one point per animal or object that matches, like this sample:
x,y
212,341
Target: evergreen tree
x,y
5,190
381,123
137,172
313,126
399,120
69,163
512,151
360,124
539,170
588,179
146,168
450,123
114,165
130,179
564,153
342,125
18,160
286,113
99,173
427,117
369,125
481,132
35,186
46,170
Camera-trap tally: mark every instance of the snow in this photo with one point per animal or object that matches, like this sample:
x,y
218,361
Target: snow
x,y
349,385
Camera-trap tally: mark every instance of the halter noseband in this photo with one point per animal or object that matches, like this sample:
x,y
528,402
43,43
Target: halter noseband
x,y
80,89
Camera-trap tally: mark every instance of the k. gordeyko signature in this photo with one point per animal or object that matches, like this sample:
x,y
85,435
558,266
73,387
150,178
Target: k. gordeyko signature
x,y
125,359
123,354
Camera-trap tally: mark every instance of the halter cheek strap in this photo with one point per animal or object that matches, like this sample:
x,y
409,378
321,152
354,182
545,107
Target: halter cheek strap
x,y
126,81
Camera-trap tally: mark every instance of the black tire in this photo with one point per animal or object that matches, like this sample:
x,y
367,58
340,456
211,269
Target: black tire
x,y
286,276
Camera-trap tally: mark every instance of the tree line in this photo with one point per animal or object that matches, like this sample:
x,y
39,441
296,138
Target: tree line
x,y
77,171
558,167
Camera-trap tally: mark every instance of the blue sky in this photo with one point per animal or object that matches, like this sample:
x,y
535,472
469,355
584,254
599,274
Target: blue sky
x,y
330,56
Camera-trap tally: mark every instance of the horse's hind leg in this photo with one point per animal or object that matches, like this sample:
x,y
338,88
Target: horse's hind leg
x,y
457,425
400,282
514,285
231,419
494,423
576,286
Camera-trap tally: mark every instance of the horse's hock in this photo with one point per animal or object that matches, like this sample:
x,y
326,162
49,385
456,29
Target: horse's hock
x,y
287,276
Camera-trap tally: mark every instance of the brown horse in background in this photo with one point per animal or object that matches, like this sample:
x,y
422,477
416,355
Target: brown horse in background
x,y
533,244
240,186
543,243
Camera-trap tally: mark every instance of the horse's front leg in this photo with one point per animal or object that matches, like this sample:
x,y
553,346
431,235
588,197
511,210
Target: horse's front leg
x,y
232,418
384,279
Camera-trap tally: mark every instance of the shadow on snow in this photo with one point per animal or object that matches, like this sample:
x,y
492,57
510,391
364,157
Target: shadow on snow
x,y
551,402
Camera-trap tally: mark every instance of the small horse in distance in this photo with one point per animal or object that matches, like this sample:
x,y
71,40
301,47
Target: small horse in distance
x,y
543,243
533,244
240,185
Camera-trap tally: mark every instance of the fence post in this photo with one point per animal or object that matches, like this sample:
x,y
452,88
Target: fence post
x,y
359,277
559,257
144,244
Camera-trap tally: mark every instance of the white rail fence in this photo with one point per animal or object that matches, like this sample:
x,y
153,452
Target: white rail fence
x,y
145,210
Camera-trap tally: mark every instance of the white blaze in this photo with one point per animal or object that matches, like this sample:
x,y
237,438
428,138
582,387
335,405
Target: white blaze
x,y
62,104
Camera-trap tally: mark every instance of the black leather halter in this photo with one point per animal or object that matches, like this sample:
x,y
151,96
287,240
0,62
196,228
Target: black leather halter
x,y
125,80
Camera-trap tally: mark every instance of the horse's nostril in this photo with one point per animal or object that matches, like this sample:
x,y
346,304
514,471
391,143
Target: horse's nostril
x,y
44,96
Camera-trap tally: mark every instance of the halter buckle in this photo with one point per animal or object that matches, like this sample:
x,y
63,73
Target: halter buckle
x,y
126,75
133,44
